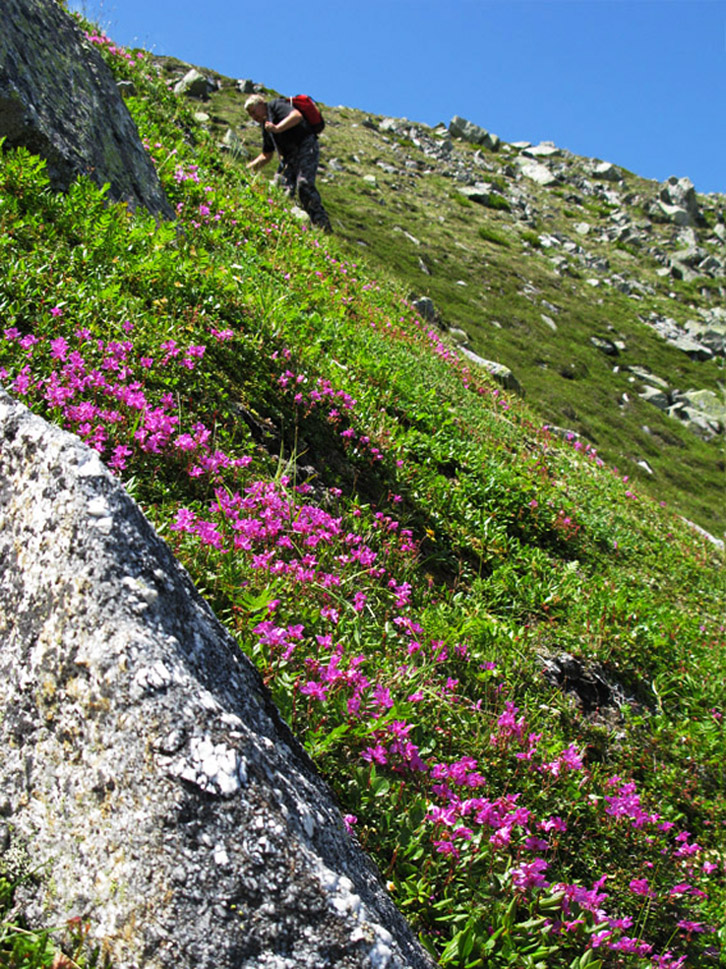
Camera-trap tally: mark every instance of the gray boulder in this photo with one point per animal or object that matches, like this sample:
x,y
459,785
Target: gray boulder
x,y
604,345
545,149
536,171
605,171
468,131
59,100
678,201
424,306
502,374
659,398
479,192
193,85
144,769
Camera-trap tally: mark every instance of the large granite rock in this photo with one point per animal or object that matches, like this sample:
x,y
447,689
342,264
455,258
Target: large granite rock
x,y
59,100
144,767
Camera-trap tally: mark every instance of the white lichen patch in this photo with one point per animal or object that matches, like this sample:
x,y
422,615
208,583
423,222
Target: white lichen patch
x,y
215,768
140,589
347,903
154,677
100,514
91,466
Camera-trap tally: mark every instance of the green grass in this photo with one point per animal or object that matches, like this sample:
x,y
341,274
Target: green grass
x,y
415,549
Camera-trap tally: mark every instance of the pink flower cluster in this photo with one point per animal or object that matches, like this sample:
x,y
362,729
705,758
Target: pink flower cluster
x,y
338,407
98,390
101,40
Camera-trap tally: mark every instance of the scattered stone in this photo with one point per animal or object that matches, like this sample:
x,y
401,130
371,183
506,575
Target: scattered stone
x,y
411,238
646,375
675,214
660,399
503,375
535,171
193,85
425,308
593,687
545,149
679,194
605,346
718,542
233,143
709,404
300,214
459,336
127,89
475,193
606,172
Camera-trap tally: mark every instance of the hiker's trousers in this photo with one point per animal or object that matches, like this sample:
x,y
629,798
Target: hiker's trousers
x,y
299,167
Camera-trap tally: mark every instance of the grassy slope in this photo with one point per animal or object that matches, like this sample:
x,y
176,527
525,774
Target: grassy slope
x,y
509,280
404,552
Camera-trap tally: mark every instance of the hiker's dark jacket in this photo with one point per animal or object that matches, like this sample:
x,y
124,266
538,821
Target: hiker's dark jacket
x,y
277,110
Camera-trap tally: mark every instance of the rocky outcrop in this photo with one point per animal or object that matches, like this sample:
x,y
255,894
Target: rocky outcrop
x,y
468,131
59,100
145,771
678,202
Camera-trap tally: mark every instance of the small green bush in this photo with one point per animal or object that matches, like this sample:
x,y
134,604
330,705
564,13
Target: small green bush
x,y
491,235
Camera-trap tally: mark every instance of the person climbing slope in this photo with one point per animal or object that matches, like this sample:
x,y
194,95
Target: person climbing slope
x,y
286,130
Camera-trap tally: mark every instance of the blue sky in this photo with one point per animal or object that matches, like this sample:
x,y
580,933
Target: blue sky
x,y
641,83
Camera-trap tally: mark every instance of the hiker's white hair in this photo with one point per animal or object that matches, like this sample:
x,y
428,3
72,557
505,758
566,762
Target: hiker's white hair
x,y
254,99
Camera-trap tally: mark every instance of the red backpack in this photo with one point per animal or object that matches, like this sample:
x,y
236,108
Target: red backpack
x,y
309,110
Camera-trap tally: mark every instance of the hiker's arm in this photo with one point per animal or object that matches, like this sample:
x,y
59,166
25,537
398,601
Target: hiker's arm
x,y
292,119
262,159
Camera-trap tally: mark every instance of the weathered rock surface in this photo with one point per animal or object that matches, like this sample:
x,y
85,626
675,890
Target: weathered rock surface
x,y
679,202
144,765
535,171
473,133
59,100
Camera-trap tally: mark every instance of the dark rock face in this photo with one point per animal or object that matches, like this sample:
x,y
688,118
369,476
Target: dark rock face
x,y
144,766
59,100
